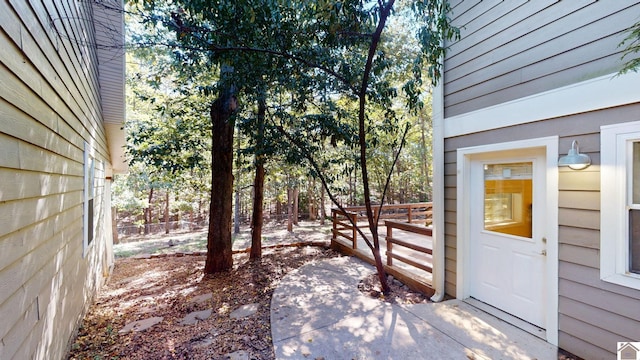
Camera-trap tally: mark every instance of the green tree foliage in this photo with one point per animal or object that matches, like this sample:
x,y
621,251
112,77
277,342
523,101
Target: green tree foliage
x,y
301,59
632,47
167,144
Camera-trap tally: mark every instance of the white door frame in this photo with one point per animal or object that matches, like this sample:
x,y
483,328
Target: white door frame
x,y
464,159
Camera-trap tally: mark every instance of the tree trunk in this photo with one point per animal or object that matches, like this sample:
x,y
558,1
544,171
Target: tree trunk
x,y
258,186
147,214
373,223
323,211
311,199
257,216
236,212
351,190
425,162
278,210
289,209
296,196
191,220
167,226
114,225
219,254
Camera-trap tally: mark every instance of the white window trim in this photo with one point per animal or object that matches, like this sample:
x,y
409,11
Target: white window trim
x,y
87,195
615,187
599,93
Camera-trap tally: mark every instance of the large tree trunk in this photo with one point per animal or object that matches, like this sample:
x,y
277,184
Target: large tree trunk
x,y
219,254
258,186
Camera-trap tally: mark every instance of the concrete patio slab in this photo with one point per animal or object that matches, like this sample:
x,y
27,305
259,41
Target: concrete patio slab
x,y
318,312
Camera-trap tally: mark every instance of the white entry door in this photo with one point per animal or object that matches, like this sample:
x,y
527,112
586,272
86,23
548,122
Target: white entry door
x,y
507,249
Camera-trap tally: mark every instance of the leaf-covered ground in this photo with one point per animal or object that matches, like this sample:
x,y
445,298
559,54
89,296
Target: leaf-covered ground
x,y
169,287
166,287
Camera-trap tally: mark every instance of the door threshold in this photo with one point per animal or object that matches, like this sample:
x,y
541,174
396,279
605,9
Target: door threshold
x,y
508,318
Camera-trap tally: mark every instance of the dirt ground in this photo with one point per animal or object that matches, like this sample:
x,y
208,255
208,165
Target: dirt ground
x,y
170,285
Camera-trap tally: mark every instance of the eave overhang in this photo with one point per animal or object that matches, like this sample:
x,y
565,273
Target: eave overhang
x,y
108,17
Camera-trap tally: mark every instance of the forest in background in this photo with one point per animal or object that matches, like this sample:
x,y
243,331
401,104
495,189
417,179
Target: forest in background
x,y
169,149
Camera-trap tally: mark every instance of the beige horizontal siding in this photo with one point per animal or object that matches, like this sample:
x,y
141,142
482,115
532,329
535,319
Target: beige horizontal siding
x,y
48,80
27,184
50,105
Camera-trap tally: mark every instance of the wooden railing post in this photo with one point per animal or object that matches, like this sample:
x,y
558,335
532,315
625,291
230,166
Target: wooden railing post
x,y
389,245
409,213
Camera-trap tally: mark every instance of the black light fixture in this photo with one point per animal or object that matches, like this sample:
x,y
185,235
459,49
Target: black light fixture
x,y
574,159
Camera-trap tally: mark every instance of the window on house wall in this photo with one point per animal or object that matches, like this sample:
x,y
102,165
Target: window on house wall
x,y
620,204
88,198
634,209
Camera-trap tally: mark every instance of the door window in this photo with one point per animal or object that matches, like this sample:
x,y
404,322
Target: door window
x,y
508,197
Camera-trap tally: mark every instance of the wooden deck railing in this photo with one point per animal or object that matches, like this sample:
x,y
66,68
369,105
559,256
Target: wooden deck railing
x,y
411,213
391,241
341,222
412,252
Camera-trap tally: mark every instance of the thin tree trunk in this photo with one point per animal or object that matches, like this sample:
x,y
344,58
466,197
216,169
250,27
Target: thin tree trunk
x,y
313,208
278,209
296,196
351,189
236,212
257,217
289,209
424,170
148,216
191,219
114,225
258,186
219,253
167,226
323,211
373,224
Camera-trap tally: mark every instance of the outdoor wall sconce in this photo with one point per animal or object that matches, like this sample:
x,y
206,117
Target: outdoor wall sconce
x,y
574,159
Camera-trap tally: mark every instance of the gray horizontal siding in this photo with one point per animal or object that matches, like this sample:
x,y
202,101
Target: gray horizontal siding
x,y
517,49
589,309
